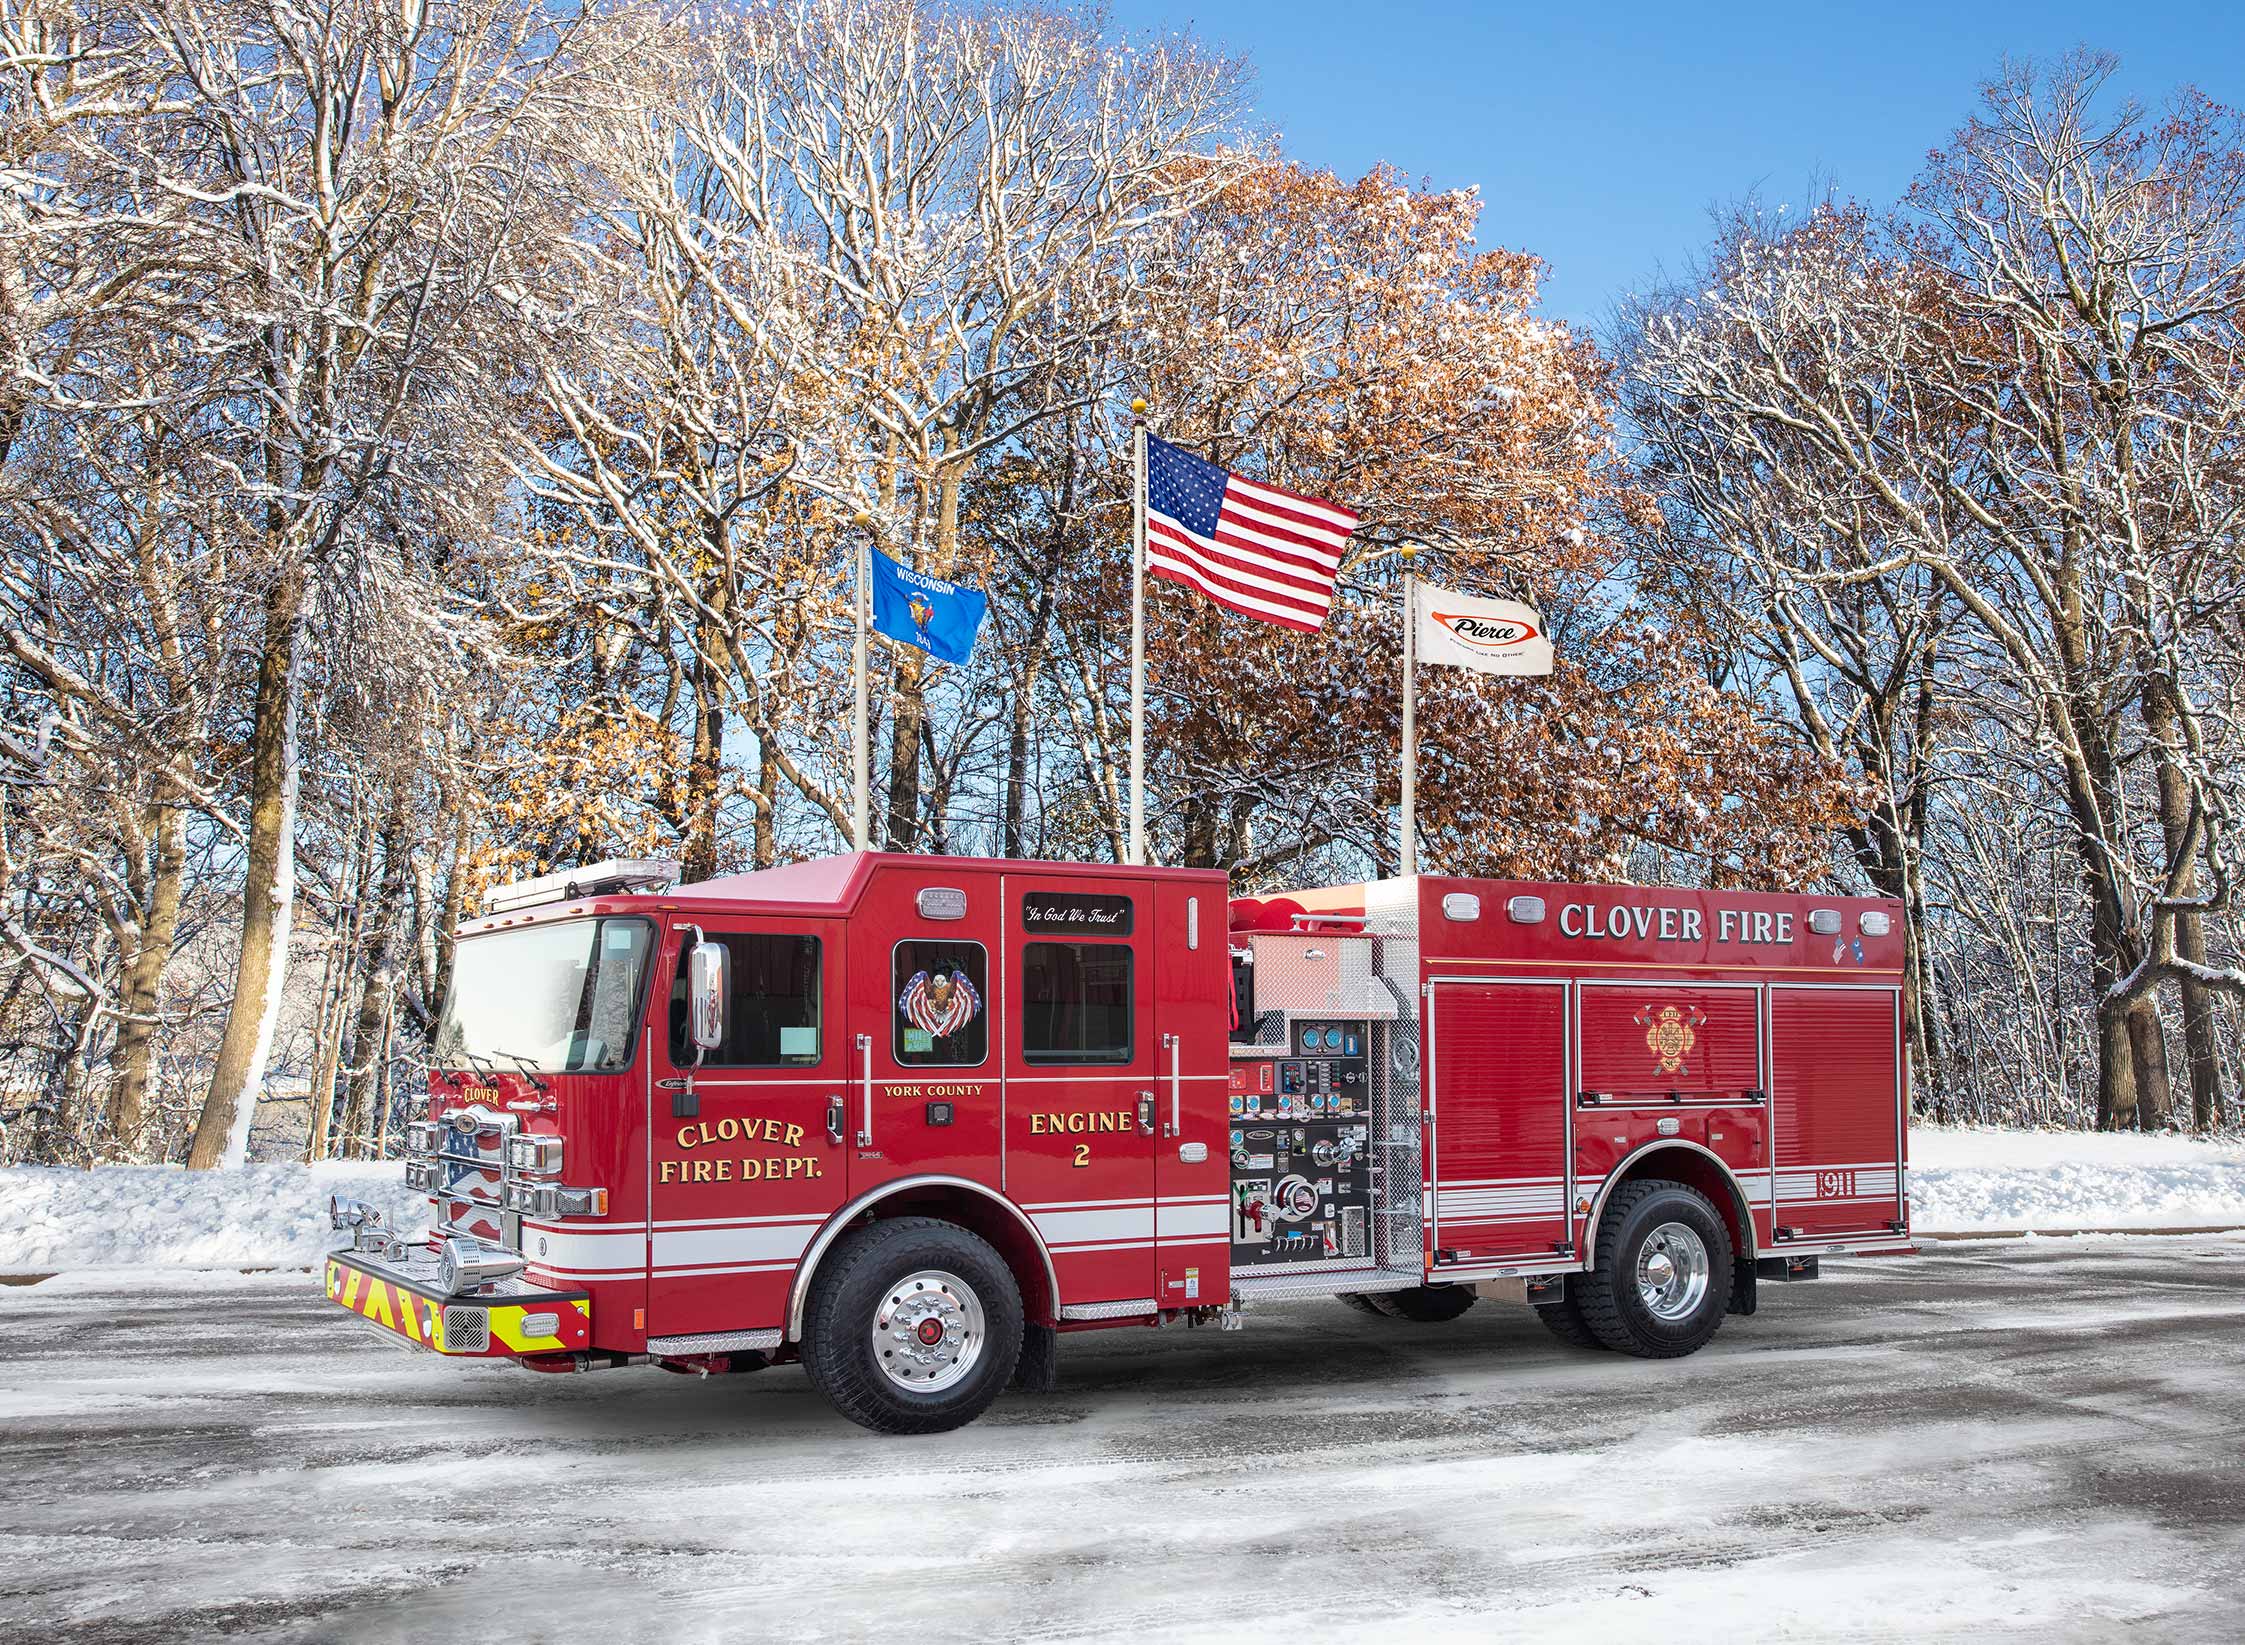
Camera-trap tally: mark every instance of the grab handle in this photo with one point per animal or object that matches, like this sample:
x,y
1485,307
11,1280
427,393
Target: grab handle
x,y
865,1062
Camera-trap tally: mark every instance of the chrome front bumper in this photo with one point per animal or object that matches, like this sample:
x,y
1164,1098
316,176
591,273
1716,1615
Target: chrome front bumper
x,y
403,1294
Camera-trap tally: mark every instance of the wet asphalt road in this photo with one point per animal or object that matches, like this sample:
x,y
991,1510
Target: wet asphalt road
x,y
2040,1441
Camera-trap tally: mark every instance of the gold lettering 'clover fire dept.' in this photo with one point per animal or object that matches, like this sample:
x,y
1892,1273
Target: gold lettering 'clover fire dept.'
x,y
1670,1032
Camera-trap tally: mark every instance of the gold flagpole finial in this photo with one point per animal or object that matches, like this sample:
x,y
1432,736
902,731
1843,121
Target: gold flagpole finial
x,y
1138,408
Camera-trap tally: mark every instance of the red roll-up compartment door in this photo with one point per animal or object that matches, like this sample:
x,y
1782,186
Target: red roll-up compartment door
x,y
1658,1041
1835,1099
1498,1166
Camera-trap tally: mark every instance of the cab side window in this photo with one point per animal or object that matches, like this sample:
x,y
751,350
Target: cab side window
x,y
940,990
1076,1002
771,1002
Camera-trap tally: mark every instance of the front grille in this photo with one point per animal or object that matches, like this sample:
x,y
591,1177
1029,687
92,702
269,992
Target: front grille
x,y
467,1330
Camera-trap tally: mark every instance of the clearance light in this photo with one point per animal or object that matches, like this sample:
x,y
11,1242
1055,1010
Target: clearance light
x,y
1872,923
1460,905
1525,910
1825,922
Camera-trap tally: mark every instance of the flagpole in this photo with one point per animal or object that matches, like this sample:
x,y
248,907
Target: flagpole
x,y
861,806
1138,631
1409,854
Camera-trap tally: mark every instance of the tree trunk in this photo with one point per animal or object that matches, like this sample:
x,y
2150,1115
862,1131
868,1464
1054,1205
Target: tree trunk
x,y
378,981
135,1053
764,848
2200,1043
455,903
2116,1079
268,888
706,766
2147,1046
335,985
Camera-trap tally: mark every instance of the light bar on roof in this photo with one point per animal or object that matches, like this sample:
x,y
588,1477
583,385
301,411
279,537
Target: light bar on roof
x,y
599,879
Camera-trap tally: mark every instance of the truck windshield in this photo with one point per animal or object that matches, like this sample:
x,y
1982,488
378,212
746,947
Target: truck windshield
x,y
561,998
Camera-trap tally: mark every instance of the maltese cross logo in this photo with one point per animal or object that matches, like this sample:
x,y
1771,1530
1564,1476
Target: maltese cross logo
x,y
1670,1032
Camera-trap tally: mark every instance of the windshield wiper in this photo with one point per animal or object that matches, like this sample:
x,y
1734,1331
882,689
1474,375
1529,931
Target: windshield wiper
x,y
528,1072
484,1067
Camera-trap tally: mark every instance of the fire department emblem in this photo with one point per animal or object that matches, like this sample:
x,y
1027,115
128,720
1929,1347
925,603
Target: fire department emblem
x,y
940,1002
1670,1032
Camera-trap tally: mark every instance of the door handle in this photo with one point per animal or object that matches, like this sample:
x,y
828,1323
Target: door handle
x,y
1146,1112
837,1116
865,1063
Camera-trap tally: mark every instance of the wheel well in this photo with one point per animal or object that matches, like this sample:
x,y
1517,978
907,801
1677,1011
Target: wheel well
x,y
1694,1168
967,1205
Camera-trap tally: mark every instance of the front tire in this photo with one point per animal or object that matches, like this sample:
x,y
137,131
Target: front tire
x,y
913,1326
1661,1280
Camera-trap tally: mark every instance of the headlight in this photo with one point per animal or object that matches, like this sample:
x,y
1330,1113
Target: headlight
x,y
422,1174
465,1264
535,1156
423,1137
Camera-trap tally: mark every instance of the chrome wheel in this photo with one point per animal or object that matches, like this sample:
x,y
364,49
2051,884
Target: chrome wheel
x,y
928,1331
1672,1271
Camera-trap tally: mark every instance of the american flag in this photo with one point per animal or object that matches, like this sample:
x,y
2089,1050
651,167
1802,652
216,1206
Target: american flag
x,y
1250,547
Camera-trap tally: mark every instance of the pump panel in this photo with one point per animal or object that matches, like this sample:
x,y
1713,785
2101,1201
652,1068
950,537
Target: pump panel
x,y
1301,1135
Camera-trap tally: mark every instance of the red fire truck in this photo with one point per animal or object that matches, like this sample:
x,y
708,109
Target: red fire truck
x,y
908,1119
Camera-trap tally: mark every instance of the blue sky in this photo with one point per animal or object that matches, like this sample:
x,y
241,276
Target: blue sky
x,y
1600,136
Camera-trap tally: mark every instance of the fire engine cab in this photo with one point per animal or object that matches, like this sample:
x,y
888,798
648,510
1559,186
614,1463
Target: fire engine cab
x,y
908,1119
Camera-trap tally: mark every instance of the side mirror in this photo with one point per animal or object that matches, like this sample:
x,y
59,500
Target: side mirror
x,y
705,997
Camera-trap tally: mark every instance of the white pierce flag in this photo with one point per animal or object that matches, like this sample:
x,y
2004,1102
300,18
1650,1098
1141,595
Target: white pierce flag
x,y
1494,636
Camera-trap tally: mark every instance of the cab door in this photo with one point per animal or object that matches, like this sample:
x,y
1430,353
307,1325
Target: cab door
x,y
747,1155
1083,1064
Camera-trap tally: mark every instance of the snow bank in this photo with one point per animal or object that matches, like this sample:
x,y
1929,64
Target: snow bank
x,y
1966,1179
275,1216
118,1216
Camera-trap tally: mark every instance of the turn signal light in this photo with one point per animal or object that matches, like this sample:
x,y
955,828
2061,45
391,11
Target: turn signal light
x,y
548,1199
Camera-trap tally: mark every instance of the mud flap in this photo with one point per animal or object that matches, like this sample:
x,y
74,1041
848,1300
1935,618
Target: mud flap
x,y
1742,1286
1038,1369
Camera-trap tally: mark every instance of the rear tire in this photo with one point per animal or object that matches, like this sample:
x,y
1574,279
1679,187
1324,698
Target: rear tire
x,y
913,1326
1563,1319
1424,1304
1361,1303
1661,1280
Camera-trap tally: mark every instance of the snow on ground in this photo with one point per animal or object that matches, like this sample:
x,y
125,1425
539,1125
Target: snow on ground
x,y
275,1216
120,1216
1965,1179
2001,1443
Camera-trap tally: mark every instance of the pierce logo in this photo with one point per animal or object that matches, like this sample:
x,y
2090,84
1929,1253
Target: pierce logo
x,y
1485,633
